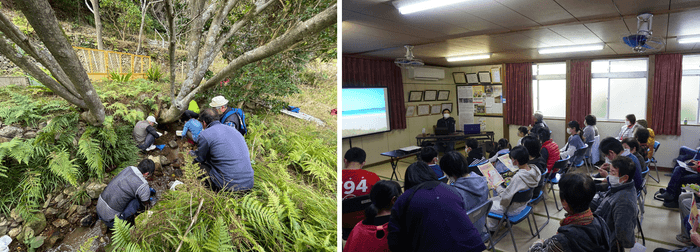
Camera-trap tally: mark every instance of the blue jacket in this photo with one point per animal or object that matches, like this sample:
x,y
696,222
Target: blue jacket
x,y
434,220
224,149
193,126
438,171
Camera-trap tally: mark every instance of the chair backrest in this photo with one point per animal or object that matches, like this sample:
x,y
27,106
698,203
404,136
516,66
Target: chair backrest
x,y
561,163
589,148
656,145
480,211
582,151
522,196
359,203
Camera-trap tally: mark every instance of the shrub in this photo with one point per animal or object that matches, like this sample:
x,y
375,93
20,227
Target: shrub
x,y
118,77
154,73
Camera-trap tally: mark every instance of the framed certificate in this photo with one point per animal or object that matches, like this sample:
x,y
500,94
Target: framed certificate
x,y
485,77
415,96
459,78
446,106
424,109
430,95
472,78
410,110
435,109
496,75
443,95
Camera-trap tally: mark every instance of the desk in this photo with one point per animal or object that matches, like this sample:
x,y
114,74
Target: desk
x,y
457,136
395,156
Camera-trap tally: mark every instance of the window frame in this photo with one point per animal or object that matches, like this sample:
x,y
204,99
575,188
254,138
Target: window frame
x,y
692,72
622,75
538,77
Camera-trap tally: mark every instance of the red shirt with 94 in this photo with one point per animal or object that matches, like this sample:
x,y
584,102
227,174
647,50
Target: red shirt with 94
x,y
356,183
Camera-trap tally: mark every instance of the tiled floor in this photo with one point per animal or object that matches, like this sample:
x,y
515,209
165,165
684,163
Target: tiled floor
x,y
660,224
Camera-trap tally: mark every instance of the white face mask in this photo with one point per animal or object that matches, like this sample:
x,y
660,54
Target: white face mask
x,y
446,115
607,160
628,150
627,123
614,180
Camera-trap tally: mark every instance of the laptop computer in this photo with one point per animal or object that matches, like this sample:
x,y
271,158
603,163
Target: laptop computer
x,y
441,131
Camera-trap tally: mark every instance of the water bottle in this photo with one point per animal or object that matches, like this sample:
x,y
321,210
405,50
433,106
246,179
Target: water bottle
x,y
685,121
423,131
5,243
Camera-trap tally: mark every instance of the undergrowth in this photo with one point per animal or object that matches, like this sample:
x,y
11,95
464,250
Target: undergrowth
x,y
26,110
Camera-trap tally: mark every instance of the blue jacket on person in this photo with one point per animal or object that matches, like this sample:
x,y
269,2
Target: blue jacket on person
x,y
225,150
193,126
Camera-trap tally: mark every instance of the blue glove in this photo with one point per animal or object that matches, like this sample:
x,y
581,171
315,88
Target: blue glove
x,y
153,191
192,153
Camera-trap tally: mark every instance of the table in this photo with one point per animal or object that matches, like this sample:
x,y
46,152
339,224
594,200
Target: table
x,y
397,155
457,136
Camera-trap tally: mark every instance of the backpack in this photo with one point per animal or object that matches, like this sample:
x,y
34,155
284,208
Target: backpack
x,y
241,118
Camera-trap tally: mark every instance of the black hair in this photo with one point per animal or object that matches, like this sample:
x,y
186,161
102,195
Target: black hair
x,y
455,165
381,195
147,165
503,144
418,173
472,143
610,144
208,116
577,190
625,166
532,145
544,134
448,111
577,127
643,123
590,120
428,153
642,135
188,114
520,154
355,154
632,143
523,129
631,118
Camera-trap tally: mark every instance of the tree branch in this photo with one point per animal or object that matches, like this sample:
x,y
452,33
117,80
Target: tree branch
x,y
171,47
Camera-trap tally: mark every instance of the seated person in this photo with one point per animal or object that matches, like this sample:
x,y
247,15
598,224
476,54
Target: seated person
x,y
528,176
127,194
475,154
611,149
642,136
471,186
679,177
522,132
533,147
430,216
633,147
650,140
574,143
550,149
580,230
694,239
223,154
371,233
503,148
628,129
685,200
590,131
192,126
618,205
145,135
429,156
356,182
538,123
446,122
227,115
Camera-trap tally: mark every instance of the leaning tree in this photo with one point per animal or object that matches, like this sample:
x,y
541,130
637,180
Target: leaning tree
x,y
211,24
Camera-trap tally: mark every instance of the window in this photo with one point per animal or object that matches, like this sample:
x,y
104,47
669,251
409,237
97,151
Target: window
x,y
619,88
549,89
690,88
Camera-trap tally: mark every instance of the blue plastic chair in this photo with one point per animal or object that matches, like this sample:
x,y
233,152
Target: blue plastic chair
x,y
554,179
521,196
540,198
475,214
652,160
579,155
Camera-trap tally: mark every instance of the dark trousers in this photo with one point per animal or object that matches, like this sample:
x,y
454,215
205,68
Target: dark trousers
x,y
680,177
147,143
128,214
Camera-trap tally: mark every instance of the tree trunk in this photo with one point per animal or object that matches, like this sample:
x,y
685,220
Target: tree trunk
x,y
144,6
98,23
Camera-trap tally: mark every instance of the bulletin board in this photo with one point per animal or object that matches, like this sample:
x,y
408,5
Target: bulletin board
x,y
479,100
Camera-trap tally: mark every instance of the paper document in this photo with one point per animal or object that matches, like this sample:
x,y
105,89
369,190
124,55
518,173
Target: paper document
x,y
685,166
410,148
491,174
505,159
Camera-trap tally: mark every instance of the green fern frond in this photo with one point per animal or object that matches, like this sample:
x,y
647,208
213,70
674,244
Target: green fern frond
x,y
218,238
89,148
61,165
121,237
86,246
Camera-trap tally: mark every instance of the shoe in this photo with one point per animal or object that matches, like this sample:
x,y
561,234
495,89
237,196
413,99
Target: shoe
x,y
683,239
151,148
671,204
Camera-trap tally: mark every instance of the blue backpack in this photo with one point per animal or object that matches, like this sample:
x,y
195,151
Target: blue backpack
x,y
241,116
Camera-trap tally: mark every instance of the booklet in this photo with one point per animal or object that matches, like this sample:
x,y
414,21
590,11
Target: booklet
x,y
491,174
685,166
505,159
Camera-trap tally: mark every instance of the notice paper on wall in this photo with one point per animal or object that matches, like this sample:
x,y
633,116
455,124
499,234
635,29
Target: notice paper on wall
x,y
465,104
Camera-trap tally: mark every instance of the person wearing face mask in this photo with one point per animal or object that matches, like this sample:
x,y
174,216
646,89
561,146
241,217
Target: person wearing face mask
x,y
680,176
446,122
618,205
589,134
430,156
469,183
611,148
522,132
528,176
475,154
575,142
628,129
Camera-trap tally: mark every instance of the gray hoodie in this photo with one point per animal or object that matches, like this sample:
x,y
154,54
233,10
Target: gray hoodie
x,y
522,180
474,191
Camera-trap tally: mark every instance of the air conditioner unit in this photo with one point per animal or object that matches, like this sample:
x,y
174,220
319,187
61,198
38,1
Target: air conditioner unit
x,y
424,73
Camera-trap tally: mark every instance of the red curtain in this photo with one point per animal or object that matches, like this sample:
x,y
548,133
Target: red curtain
x,y
518,94
580,90
361,72
665,112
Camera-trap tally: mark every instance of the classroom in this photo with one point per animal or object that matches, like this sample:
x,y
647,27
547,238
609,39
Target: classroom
x,y
443,75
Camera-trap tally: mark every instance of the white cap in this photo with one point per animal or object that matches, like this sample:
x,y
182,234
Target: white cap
x,y
218,101
151,119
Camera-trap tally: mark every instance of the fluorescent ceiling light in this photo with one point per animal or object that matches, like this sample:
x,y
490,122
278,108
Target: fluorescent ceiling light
x,y
468,57
408,6
576,48
688,39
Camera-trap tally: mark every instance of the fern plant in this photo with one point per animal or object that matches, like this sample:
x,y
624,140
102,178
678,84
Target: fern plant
x,y
118,77
154,73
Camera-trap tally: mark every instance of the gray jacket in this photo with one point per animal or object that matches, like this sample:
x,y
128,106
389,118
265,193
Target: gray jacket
x,y
129,184
474,191
618,207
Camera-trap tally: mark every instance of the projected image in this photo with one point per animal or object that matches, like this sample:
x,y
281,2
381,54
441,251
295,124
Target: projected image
x,y
364,111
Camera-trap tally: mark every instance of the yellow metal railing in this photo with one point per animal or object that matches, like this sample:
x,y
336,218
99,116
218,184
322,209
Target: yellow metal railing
x,y
99,63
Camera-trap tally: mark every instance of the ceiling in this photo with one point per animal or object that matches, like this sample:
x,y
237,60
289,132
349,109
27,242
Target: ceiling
x,y
511,29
